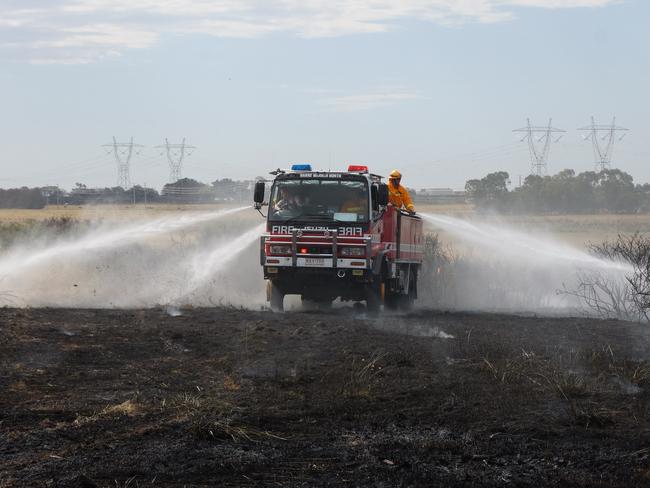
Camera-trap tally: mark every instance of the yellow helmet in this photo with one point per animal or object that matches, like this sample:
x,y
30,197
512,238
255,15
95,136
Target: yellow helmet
x,y
395,175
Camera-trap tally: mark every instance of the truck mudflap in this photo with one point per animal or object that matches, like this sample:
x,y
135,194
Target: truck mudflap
x,y
379,262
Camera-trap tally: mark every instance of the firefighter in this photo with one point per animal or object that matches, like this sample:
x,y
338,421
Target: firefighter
x,y
398,196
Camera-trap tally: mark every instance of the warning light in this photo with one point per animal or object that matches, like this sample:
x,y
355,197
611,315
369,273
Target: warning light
x,y
301,167
356,168
304,250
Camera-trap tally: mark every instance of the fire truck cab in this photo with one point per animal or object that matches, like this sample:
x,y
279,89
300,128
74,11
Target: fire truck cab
x,y
334,235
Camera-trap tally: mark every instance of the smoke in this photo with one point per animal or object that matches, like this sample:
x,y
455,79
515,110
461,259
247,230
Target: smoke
x,y
197,259
503,269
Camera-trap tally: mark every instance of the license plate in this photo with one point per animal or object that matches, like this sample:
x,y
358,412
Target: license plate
x,y
314,262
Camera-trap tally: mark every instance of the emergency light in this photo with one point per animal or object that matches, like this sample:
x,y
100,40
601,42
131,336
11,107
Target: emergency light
x,y
355,168
301,167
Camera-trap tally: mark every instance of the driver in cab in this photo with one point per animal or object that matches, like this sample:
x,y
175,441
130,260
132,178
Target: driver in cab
x,y
398,196
286,200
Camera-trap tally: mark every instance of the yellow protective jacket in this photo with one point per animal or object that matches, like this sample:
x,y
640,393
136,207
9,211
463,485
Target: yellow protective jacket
x,y
399,197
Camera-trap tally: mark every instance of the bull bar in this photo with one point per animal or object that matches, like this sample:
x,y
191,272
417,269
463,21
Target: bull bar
x,y
328,237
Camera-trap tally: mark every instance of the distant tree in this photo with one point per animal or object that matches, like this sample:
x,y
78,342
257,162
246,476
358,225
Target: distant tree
x,y
188,190
229,190
53,195
22,198
606,191
490,191
643,194
185,183
615,191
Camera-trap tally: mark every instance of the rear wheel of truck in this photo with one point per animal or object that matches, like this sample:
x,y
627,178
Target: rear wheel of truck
x,y
406,301
392,299
276,297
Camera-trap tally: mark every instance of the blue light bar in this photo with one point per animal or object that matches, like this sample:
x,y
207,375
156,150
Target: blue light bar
x,y
301,167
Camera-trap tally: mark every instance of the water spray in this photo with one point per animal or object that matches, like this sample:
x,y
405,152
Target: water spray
x,y
205,266
16,262
128,267
510,270
512,244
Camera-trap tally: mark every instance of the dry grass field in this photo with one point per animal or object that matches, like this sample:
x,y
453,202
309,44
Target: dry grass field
x,y
118,212
588,225
577,230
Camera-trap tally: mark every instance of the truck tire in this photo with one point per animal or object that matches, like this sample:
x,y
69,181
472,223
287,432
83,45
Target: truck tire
x,y
392,300
373,298
406,301
276,298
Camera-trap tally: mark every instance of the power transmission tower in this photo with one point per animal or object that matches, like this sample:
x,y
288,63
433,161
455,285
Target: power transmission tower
x,y
175,155
123,152
539,145
603,154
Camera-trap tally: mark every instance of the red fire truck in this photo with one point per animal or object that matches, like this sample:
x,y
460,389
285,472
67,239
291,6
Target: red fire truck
x,y
334,235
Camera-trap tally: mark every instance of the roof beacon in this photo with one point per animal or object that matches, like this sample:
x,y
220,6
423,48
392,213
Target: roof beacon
x,y
355,168
301,167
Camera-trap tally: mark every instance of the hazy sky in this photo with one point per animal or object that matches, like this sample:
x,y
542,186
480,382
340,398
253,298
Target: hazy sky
x,y
432,87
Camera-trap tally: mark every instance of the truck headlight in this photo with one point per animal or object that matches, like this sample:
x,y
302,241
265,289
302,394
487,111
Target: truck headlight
x,y
353,252
280,249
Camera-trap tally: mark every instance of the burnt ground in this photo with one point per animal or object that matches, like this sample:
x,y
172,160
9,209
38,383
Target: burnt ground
x,y
223,397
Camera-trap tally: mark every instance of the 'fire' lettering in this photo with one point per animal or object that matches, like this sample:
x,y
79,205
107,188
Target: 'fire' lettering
x,y
341,231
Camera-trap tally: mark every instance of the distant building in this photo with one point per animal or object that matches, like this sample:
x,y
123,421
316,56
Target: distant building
x,y
439,195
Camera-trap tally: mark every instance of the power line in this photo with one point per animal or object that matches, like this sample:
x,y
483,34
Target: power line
x,y
471,157
175,155
539,146
603,154
123,152
67,169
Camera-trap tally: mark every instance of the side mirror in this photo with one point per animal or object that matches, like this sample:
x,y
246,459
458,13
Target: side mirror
x,y
258,195
382,195
373,198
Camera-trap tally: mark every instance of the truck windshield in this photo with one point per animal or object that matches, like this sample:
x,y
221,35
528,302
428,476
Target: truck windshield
x,y
319,200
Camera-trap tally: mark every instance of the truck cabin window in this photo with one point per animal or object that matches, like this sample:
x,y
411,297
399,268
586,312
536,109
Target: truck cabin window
x,y
320,199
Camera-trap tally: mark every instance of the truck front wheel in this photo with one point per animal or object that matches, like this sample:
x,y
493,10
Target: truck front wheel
x,y
276,297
